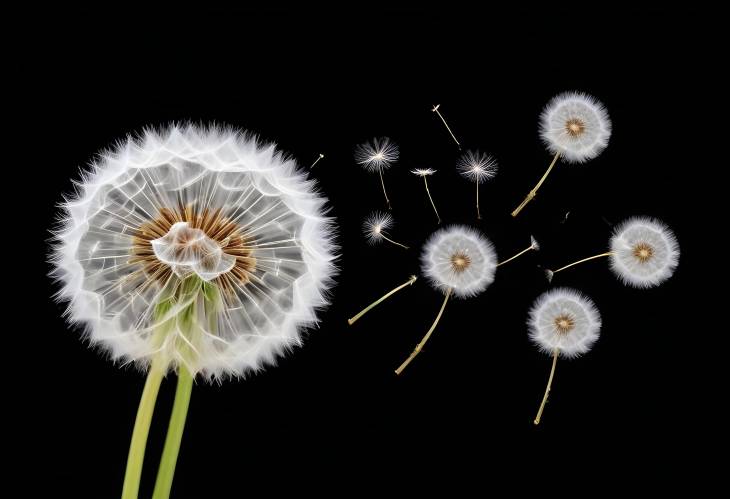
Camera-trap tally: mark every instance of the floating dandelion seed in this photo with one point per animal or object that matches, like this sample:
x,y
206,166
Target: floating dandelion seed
x,y
477,167
564,322
436,110
317,160
376,156
376,226
192,250
574,126
424,173
644,253
457,261
534,246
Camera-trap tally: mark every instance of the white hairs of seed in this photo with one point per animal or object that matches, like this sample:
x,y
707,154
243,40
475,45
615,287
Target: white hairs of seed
x,y
212,167
377,155
423,172
590,112
375,225
477,166
436,263
665,252
554,304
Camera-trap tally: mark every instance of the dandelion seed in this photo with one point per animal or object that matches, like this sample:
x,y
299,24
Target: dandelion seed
x,y
377,156
564,322
436,110
457,261
424,173
574,126
192,250
477,167
316,161
534,246
376,226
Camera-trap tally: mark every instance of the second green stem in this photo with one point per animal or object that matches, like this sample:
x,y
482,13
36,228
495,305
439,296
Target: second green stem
x,y
166,472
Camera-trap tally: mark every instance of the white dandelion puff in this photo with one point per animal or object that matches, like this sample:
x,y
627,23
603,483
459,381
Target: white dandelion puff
x,y
206,201
566,320
376,226
477,167
644,252
376,156
427,172
574,126
192,249
459,261
563,322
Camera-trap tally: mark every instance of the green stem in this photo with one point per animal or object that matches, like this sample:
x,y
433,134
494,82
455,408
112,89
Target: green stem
x,y
130,489
165,474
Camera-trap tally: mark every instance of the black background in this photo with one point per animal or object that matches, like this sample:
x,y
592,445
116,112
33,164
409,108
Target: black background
x,y
333,418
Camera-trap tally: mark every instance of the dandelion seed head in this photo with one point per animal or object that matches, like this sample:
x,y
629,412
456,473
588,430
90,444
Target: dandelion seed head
x,y
565,319
576,125
645,252
476,166
459,258
197,247
377,155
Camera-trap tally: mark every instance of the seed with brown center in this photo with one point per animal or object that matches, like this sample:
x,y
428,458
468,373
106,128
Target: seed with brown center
x,y
564,323
574,127
460,262
643,252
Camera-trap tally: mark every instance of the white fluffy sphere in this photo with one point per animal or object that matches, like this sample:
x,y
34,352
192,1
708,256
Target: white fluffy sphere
x,y
645,252
565,319
576,125
195,246
459,258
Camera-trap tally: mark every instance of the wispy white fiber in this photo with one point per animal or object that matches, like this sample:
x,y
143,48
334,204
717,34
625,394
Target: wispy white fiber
x,y
376,225
377,155
477,166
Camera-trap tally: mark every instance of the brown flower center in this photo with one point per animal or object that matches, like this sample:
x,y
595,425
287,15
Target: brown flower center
x,y
574,127
225,232
460,262
643,252
564,323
